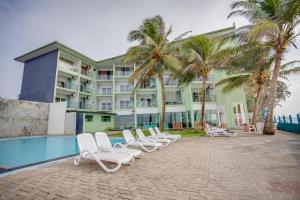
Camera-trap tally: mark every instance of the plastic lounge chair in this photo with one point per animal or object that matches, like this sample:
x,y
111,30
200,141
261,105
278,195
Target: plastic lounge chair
x,y
88,150
172,138
166,133
104,143
132,142
143,138
213,131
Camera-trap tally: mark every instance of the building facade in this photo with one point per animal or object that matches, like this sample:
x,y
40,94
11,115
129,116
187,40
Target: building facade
x,y
102,97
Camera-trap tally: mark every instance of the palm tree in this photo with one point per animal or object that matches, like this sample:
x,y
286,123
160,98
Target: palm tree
x,y
153,54
256,65
273,24
200,55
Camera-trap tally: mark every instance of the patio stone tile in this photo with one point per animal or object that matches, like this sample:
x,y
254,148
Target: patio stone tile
x,y
245,167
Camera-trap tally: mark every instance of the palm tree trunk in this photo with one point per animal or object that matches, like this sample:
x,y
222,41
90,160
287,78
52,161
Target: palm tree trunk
x,y
268,127
256,104
203,102
163,102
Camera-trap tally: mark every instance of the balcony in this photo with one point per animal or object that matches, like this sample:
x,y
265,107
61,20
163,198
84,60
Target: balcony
x,y
200,78
72,105
124,88
174,102
123,71
104,77
105,92
86,73
105,107
124,105
146,104
86,106
67,66
67,85
208,98
169,81
85,90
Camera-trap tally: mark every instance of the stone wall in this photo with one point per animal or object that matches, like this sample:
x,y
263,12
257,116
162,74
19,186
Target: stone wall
x,y
23,118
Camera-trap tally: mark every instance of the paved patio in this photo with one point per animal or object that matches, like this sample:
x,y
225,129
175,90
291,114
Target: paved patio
x,y
243,167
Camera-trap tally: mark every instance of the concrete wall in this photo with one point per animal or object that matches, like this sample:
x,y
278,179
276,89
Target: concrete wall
x,y
39,78
23,118
70,123
56,121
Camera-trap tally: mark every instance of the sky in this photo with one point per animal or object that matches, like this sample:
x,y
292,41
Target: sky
x,y
99,29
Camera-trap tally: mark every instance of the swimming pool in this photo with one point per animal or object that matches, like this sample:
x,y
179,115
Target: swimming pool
x,y
17,153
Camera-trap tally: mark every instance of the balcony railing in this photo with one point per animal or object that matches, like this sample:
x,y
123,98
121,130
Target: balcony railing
x,y
72,105
104,108
124,106
64,65
123,73
104,77
146,104
67,86
175,102
200,78
208,98
128,88
86,90
104,93
87,73
170,82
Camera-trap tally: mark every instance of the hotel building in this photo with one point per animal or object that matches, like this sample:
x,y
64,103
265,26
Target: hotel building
x,y
99,92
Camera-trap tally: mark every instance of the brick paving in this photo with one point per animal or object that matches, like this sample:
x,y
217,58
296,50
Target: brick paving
x,y
243,167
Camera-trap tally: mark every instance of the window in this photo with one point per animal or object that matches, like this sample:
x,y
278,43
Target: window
x,y
106,105
89,118
105,118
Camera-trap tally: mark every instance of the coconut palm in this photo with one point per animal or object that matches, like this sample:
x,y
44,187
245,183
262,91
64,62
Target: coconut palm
x,y
273,23
153,54
200,55
255,65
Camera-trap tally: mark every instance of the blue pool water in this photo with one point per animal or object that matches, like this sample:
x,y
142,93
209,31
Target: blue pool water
x,y
20,152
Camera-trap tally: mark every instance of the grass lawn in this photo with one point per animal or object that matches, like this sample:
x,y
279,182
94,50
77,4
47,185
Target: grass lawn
x,y
183,133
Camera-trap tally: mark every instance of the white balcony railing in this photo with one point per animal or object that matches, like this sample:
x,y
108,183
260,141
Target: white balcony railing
x,y
72,86
67,66
126,105
104,77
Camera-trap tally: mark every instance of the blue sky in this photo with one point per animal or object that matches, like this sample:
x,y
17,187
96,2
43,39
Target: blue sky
x,y
99,28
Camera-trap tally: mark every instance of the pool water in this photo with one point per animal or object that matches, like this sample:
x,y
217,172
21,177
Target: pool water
x,y
21,152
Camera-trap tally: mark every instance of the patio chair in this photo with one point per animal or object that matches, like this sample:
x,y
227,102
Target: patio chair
x,y
88,150
214,131
172,138
104,143
142,137
132,142
166,133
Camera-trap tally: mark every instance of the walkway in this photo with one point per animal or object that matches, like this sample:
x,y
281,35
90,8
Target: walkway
x,y
243,167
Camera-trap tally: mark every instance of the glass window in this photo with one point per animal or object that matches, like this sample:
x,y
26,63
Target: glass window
x,y
105,118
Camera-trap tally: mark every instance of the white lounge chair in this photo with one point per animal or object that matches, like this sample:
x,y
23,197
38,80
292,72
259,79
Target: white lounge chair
x,y
88,150
172,138
166,134
132,142
143,138
213,131
104,143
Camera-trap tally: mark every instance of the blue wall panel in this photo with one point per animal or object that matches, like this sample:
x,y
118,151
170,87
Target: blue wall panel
x,y
39,78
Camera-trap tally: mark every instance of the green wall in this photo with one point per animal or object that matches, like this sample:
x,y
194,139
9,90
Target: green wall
x,y
96,124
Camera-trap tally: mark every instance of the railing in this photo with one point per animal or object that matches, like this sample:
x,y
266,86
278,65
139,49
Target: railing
x,y
104,77
87,73
123,73
291,124
105,108
124,106
175,102
200,78
63,65
128,88
109,92
208,98
67,86
146,104
169,82
72,105
86,90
